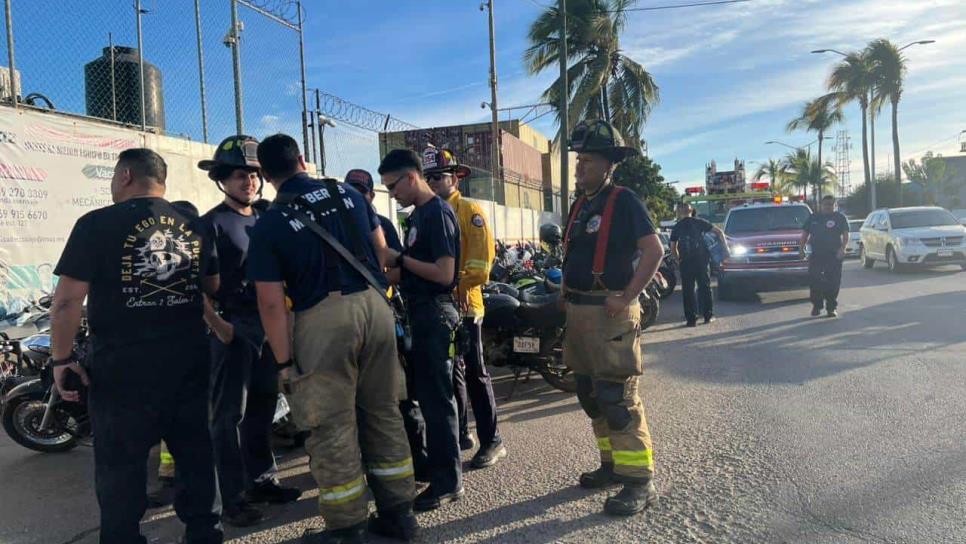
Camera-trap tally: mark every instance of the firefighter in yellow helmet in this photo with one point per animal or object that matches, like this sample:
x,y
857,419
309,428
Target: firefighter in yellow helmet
x,y
477,251
608,229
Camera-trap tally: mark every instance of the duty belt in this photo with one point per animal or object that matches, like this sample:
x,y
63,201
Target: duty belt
x,y
590,298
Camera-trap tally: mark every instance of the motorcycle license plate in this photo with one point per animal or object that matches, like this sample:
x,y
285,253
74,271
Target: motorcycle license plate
x,y
526,344
945,253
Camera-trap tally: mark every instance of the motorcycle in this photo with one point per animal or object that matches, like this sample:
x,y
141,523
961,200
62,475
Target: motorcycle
x,y
526,335
668,271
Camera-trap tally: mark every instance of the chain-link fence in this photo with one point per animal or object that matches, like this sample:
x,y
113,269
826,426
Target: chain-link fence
x,y
85,58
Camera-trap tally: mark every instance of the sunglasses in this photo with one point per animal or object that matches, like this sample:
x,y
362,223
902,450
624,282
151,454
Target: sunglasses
x,y
392,186
436,177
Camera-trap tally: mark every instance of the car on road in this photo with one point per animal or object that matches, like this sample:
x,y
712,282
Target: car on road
x,y
914,236
764,241
961,215
855,237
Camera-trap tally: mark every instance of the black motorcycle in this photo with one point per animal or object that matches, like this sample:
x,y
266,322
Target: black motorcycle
x,y
525,332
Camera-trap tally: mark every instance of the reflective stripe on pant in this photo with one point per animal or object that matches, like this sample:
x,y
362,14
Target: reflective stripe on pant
x,y
347,395
472,382
166,466
825,280
244,392
607,349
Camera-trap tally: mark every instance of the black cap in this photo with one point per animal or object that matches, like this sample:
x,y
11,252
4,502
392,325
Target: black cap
x,y
233,152
360,179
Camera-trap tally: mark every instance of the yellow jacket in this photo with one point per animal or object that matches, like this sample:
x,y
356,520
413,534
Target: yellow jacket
x,y
477,252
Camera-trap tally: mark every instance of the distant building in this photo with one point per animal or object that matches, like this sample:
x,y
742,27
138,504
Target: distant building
x,y
731,181
531,171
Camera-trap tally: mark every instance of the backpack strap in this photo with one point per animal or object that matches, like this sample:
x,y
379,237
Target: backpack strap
x,y
603,236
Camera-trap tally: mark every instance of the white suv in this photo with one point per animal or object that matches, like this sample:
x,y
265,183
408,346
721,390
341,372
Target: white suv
x,y
919,236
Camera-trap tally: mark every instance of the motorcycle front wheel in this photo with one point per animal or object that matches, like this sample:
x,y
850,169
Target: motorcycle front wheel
x,y
21,419
558,374
671,280
650,307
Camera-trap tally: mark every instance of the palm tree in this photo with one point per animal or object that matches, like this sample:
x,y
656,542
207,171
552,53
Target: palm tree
x,y
603,83
819,115
773,171
801,171
852,80
888,72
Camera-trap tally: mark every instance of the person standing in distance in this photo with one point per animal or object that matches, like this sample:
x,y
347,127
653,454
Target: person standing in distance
x,y
828,233
427,274
144,267
608,229
341,365
361,180
689,248
477,252
244,375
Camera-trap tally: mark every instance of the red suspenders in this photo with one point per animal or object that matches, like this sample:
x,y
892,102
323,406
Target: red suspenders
x,y
603,234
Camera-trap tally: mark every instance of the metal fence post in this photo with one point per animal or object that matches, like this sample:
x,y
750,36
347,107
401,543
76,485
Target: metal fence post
x,y
137,8
305,108
201,72
236,67
110,43
10,56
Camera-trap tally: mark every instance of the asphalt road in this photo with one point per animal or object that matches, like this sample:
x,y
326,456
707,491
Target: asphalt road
x,y
768,426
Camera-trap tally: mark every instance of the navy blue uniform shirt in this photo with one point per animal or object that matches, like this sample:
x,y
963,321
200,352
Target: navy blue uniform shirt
x,y
630,223
433,233
283,249
389,231
230,231
826,230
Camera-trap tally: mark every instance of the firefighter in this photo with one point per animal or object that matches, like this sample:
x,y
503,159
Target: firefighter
x,y
339,362
607,230
690,249
244,376
144,267
477,252
426,271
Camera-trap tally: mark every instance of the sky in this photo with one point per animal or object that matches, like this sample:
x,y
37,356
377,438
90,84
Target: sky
x,y
730,76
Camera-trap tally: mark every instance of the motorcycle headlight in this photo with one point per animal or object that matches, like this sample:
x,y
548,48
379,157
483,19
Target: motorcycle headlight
x,y
738,250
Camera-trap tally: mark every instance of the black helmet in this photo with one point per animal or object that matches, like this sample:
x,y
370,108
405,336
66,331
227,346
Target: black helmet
x,y
233,152
551,234
596,136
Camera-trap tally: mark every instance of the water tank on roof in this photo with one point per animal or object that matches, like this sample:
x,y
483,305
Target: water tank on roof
x,y
120,100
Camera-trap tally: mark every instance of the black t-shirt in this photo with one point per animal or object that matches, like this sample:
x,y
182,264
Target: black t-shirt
x,y
145,260
826,230
433,233
230,231
629,224
283,249
689,234
389,231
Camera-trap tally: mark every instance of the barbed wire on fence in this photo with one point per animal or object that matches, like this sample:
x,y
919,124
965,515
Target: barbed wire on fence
x,y
342,110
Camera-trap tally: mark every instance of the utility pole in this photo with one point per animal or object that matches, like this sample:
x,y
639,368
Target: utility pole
x,y
564,116
496,151
236,67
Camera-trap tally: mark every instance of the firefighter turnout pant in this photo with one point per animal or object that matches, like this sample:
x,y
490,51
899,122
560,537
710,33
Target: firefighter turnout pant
x,y
141,394
605,355
346,393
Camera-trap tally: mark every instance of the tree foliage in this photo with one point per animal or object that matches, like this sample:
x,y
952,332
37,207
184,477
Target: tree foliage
x,y
643,176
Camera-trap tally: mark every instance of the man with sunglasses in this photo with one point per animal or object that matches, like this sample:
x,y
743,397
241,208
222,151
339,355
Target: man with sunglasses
x,y
477,252
244,376
426,271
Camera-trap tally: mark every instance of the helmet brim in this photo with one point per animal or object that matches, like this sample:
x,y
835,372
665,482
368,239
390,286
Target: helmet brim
x,y
213,166
461,171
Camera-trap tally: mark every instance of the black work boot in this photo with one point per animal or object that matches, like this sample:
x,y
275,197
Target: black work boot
x,y
356,534
488,455
634,498
269,491
398,523
242,514
600,478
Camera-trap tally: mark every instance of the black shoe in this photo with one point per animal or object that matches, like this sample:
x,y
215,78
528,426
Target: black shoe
x,y
270,492
430,500
242,514
467,442
163,495
816,311
399,524
634,498
709,319
598,479
356,534
691,323
488,456
832,313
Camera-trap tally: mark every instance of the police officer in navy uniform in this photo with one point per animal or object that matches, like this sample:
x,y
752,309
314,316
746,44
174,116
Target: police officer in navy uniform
x,y
244,374
144,267
609,230
427,273
828,232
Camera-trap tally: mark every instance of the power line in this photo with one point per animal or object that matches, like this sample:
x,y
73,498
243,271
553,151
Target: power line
x,y
692,5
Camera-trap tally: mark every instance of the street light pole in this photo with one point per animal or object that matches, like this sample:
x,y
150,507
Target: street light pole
x,y
564,115
897,162
496,147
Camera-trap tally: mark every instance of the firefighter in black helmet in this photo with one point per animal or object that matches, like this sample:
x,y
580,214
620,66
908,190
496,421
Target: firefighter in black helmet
x,y
244,375
608,229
